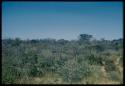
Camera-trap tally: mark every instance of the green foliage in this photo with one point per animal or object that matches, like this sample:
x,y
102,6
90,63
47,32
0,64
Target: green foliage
x,y
114,75
8,75
34,71
70,61
72,71
85,37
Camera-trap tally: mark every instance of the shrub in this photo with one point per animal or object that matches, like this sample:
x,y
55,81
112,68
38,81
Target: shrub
x,y
114,75
72,71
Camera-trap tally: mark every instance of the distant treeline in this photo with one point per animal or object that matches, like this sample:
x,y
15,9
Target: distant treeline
x,y
81,37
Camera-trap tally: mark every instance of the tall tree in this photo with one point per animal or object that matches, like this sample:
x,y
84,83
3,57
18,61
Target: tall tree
x,y
85,37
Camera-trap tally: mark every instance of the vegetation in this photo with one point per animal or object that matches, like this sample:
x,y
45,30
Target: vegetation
x,y
50,61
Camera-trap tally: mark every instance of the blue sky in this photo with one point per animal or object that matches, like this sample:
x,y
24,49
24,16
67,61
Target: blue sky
x,y
62,20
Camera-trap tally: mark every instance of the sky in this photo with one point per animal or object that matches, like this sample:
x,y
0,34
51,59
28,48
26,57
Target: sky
x,y
62,20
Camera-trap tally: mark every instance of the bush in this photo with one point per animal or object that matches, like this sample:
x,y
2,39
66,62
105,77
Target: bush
x,y
8,75
72,71
115,76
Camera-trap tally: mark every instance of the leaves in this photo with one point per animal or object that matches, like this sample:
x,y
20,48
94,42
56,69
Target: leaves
x,y
71,61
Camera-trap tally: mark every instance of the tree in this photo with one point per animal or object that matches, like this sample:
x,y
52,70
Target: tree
x,y
16,42
85,37
62,41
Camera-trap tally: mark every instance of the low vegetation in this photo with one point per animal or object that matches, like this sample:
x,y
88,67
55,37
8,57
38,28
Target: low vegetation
x,y
50,61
